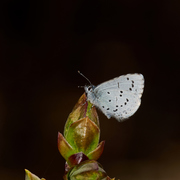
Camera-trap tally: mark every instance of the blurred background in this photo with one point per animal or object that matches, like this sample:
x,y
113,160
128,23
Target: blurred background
x,y
43,43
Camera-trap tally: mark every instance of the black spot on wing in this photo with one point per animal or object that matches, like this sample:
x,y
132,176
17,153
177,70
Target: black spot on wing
x,y
115,110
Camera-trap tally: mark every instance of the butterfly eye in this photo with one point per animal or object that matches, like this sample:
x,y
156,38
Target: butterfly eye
x,y
89,88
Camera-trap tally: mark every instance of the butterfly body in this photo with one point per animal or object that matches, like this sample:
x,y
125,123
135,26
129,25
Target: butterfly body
x,y
119,98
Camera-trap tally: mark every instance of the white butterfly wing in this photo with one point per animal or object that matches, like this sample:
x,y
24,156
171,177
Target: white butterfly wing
x,y
119,105
130,82
120,97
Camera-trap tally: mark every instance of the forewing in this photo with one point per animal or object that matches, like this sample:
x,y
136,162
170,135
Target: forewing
x,y
120,97
133,83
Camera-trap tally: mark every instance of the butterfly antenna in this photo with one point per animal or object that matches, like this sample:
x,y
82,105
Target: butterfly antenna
x,y
85,77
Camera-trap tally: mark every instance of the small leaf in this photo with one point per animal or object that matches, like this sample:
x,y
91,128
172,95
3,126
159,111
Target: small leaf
x,y
95,155
83,135
64,147
31,176
76,159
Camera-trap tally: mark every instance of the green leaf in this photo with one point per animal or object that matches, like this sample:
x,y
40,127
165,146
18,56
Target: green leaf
x,y
83,135
64,147
31,176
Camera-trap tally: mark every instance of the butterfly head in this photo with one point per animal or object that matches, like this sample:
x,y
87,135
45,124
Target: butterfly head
x,y
89,90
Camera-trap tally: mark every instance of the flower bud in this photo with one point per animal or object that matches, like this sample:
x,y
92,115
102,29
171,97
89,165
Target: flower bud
x,y
82,133
86,170
82,109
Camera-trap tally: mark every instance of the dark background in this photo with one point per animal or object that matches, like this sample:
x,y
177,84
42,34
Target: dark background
x,y
42,46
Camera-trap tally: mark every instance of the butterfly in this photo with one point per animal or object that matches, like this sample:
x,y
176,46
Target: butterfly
x,y
119,98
